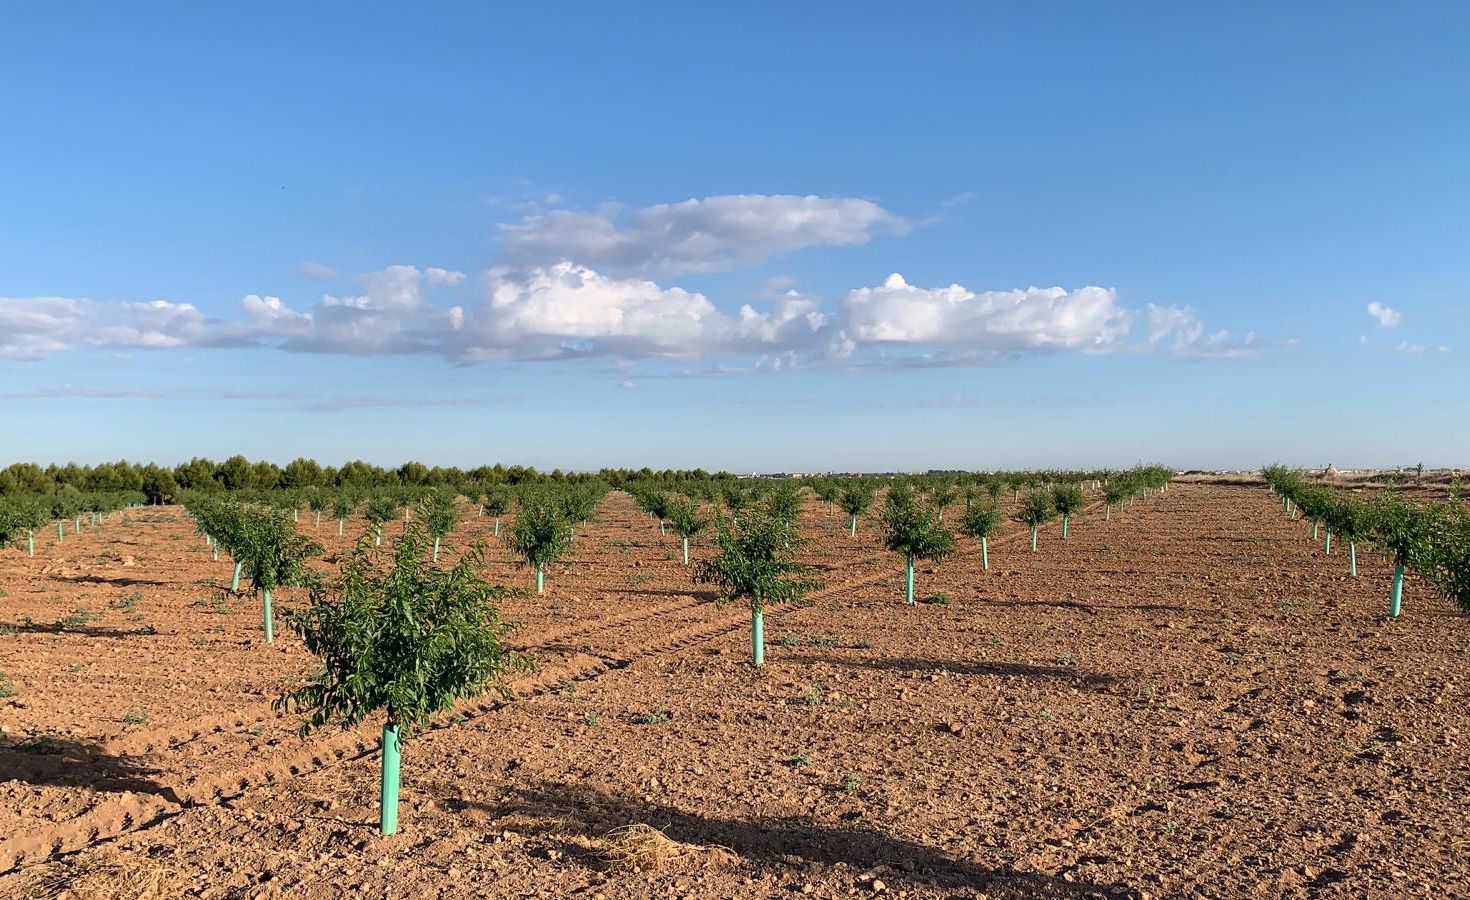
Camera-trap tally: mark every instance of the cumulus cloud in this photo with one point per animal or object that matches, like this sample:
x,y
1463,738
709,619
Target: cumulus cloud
x,y
1178,332
567,310
1408,347
1386,316
32,328
316,270
989,322
699,235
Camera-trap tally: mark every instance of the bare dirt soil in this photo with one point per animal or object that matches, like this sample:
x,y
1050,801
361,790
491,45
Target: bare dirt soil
x,y
1189,700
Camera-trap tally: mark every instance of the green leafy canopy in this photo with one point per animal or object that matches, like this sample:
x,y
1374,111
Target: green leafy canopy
x,y
757,562
912,528
410,638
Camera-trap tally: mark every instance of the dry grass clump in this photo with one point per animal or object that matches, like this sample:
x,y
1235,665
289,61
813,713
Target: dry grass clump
x,y
111,876
644,848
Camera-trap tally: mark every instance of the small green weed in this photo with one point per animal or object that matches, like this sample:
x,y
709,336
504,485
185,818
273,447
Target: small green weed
x,y
656,717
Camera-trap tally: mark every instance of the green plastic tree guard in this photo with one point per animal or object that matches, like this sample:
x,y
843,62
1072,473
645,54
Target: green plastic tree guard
x,y
269,620
1107,511
852,527
1065,519
318,521
339,528
1327,546
31,542
540,580
388,819
686,551
1314,529
235,579
60,532
1033,538
78,528
985,553
1396,599
758,636
1353,559
436,549
497,526
909,571
214,548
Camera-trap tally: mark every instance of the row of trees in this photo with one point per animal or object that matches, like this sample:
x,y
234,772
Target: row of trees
x,y
1432,539
22,515
240,474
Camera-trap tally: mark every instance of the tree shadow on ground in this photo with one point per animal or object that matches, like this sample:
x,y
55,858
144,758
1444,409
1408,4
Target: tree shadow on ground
x,y
704,596
1026,604
43,759
572,810
115,582
60,629
957,667
1091,609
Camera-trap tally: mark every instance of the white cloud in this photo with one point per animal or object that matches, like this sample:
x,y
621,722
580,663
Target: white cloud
x,y
1387,316
32,328
1177,331
989,322
1407,347
316,270
1444,348
709,235
568,310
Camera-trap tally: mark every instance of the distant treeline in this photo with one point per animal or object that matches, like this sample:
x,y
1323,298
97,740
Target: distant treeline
x,y
161,483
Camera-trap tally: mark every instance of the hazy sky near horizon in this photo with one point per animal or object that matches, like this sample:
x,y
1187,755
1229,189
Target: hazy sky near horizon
x,y
751,236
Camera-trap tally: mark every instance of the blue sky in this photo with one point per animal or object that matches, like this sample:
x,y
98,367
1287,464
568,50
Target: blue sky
x,y
666,234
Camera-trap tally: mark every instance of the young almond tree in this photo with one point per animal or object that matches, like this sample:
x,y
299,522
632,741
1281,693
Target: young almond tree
x,y
979,522
273,554
941,495
827,491
439,515
1352,520
657,505
1114,493
579,503
756,563
1036,510
10,526
1448,562
911,528
221,521
856,498
497,503
687,521
1407,533
736,497
410,641
27,516
1066,499
342,506
317,501
380,508
541,534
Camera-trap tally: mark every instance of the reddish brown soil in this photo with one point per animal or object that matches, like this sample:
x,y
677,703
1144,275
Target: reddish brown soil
x,y
1188,700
